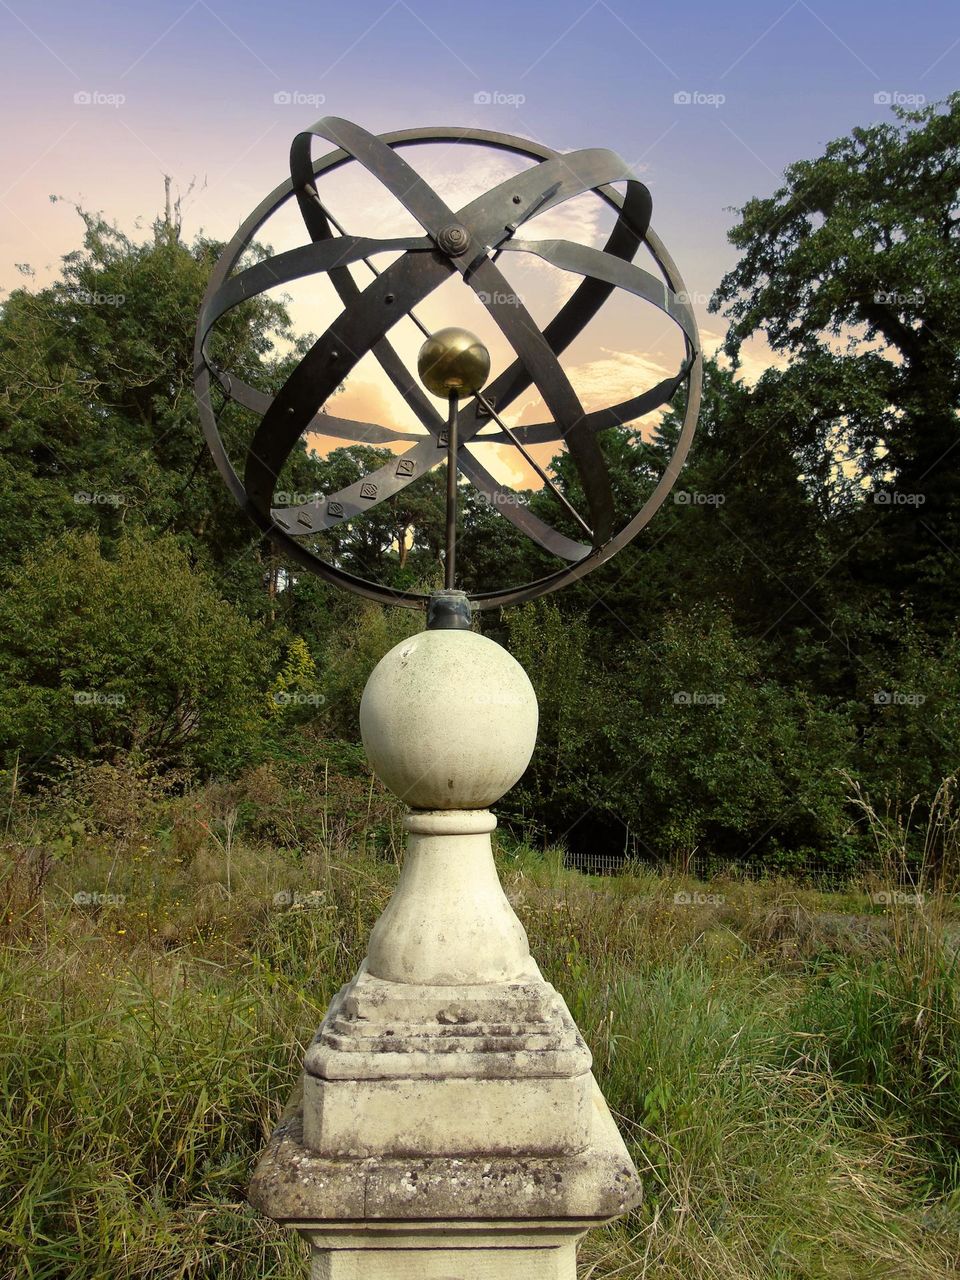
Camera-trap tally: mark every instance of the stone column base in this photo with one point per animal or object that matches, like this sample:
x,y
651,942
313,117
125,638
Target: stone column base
x,y
441,1217
438,1251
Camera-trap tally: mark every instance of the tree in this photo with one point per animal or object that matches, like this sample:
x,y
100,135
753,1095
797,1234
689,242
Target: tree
x,y
102,657
98,423
852,268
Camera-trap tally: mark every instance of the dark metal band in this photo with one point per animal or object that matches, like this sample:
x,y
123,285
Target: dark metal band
x,y
488,224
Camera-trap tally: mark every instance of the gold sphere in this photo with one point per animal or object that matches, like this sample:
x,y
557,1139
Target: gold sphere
x,y
453,362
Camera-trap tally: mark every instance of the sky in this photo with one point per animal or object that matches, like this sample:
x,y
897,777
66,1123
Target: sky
x,y
707,102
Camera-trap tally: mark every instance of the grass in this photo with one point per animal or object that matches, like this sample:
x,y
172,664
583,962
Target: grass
x,y
789,1090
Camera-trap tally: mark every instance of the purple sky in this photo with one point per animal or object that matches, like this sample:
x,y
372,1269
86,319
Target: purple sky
x,y
102,99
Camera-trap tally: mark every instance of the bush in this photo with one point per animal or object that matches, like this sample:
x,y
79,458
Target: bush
x,y
685,744
355,649
572,694
911,730
715,755
137,653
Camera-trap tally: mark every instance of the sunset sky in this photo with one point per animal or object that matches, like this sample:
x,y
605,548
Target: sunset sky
x,y
101,100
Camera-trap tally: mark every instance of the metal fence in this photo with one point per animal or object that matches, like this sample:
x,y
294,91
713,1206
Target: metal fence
x,y
809,871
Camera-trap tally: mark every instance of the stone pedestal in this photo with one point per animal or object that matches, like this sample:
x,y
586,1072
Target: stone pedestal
x,y
449,1126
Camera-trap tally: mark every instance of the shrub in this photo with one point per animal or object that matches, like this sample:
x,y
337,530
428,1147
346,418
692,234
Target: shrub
x,y
684,742
137,653
354,650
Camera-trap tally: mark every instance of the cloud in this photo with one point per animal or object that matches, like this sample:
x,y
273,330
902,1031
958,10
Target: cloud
x,y
616,376
610,378
756,357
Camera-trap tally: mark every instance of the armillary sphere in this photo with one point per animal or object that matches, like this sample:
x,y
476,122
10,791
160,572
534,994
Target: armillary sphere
x,y
467,241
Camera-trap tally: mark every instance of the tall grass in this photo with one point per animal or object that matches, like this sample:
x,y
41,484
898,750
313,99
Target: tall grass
x,y
149,1045
891,1027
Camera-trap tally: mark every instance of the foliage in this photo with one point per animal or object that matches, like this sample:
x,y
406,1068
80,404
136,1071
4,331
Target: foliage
x,y
852,267
573,700
683,746
784,575
716,756
368,633
132,654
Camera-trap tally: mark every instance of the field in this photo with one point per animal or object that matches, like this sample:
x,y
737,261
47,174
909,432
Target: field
x,y
784,1063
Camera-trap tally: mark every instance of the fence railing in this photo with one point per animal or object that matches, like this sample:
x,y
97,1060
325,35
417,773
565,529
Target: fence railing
x,y
811,871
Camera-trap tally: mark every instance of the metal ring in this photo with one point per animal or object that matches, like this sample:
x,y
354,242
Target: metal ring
x,y
489,224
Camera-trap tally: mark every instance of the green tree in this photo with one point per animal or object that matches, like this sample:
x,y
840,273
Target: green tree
x,y
566,775
138,653
98,421
852,268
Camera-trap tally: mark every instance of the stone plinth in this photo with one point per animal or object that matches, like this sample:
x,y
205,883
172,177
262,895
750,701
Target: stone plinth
x,y
507,1217
448,1126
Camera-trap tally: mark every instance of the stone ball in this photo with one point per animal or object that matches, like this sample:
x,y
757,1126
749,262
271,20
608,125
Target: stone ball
x,y
448,720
